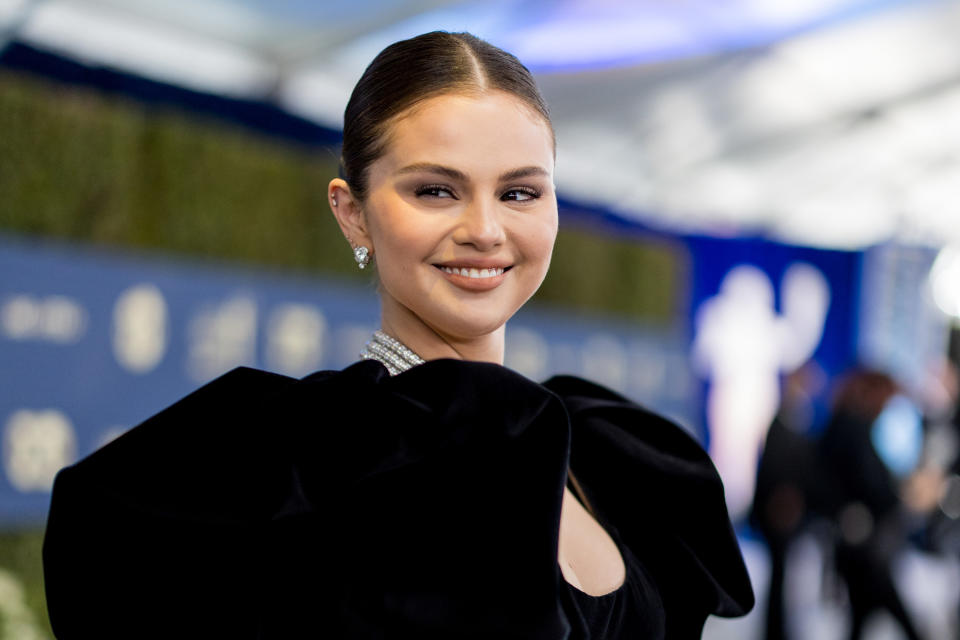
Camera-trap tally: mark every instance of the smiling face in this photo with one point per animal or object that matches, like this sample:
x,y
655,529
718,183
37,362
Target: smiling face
x,y
461,214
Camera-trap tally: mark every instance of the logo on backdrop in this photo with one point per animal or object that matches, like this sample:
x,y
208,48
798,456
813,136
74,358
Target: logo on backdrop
x,y
140,328
742,345
36,445
56,319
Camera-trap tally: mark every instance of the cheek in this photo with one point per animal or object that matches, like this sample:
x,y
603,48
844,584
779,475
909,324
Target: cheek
x,y
537,239
394,234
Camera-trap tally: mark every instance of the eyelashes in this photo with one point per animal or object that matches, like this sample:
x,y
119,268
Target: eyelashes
x,y
513,194
521,194
434,191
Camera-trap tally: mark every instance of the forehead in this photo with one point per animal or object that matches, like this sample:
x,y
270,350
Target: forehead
x,y
482,129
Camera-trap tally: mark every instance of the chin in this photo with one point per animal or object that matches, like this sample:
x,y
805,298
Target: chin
x,y
463,328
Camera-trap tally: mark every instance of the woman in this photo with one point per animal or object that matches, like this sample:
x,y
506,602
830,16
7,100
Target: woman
x,y
425,491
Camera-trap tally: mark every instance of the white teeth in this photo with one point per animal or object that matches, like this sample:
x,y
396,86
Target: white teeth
x,y
474,273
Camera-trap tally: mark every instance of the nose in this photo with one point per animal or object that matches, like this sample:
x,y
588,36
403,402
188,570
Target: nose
x,y
480,226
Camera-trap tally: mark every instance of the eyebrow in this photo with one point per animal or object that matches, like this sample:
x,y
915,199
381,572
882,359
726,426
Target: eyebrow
x,y
524,172
456,174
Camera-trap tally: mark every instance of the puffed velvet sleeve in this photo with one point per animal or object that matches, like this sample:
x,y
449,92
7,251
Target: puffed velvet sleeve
x,y
159,533
346,505
659,487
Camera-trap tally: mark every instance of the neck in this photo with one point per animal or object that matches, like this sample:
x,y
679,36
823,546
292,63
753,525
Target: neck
x,y
431,344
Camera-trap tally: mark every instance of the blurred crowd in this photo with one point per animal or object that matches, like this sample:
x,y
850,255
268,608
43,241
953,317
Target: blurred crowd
x,y
878,476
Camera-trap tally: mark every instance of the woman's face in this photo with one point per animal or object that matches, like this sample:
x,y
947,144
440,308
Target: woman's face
x,y
462,212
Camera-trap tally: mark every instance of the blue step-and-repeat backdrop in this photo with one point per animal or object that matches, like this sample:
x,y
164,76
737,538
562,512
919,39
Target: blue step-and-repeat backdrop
x,y
94,341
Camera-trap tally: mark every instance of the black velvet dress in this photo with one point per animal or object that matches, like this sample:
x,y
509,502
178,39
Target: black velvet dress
x,y
352,504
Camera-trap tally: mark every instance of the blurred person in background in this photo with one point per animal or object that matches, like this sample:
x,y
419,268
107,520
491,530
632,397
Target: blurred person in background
x,y
425,491
869,449
788,485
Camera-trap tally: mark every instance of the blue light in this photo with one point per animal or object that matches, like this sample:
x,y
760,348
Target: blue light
x,y
897,435
583,35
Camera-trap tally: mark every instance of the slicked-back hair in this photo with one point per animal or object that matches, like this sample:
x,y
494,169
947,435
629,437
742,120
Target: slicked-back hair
x,y
414,70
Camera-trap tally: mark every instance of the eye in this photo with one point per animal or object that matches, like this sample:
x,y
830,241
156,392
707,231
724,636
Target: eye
x,y
520,194
434,191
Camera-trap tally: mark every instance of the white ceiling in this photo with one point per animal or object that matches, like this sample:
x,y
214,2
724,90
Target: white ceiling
x,y
832,123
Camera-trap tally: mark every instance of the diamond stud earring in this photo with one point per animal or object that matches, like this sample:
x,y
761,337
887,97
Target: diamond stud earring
x,y
362,255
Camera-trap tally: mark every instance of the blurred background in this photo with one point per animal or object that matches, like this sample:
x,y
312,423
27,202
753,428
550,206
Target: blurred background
x,y
760,238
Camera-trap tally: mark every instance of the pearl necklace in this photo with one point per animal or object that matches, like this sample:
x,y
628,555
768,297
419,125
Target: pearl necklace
x,y
390,352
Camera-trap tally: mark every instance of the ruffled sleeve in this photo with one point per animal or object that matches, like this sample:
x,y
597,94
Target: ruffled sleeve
x,y
660,489
158,534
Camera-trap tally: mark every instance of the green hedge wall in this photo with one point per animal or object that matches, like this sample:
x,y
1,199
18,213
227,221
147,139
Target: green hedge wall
x,y
23,606
99,169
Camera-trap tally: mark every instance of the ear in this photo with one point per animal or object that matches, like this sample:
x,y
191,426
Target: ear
x,y
348,213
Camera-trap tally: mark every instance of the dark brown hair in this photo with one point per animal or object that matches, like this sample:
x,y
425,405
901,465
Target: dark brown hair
x,y
862,393
414,70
